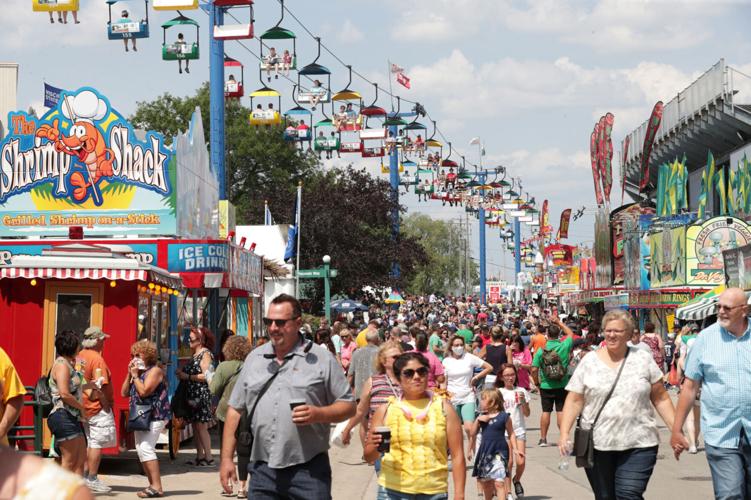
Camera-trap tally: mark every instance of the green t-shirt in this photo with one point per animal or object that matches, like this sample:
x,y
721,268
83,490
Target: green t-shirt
x,y
564,351
436,346
466,335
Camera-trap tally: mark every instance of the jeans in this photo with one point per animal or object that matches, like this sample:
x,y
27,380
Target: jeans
x,y
731,470
308,481
622,475
395,495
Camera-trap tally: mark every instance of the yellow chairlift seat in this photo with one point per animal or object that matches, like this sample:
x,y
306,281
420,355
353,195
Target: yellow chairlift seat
x,y
54,5
175,4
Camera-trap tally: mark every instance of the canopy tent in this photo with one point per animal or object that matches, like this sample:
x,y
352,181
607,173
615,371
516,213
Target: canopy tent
x,y
394,298
701,306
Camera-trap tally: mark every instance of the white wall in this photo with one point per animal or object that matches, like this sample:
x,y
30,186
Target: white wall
x,y
8,94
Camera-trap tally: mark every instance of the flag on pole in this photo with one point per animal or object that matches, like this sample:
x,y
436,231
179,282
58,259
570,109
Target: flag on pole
x,y
291,251
395,68
403,80
51,95
267,219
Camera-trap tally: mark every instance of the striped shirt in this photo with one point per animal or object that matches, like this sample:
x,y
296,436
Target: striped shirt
x,y
381,389
721,362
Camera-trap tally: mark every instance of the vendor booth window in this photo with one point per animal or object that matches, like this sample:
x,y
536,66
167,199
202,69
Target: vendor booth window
x,y
73,312
153,320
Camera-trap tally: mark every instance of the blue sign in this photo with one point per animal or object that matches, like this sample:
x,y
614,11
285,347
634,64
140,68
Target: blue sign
x,y
144,253
198,257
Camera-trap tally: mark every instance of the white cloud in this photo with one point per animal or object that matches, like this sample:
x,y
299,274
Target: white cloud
x,y
349,33
22,28
606,26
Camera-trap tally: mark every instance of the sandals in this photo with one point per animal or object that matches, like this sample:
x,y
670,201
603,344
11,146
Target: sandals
x,y
200,462
149,493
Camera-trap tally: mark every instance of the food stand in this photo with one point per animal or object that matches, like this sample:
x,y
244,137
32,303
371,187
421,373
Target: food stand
x,y
103,226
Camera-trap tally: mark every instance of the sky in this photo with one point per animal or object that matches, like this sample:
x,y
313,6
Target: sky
x,y
529,77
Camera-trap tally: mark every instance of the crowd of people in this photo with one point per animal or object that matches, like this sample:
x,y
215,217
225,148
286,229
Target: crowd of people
x,y
430,388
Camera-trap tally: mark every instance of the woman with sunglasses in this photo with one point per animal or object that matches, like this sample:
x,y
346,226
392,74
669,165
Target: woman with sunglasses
x,y
199,396
418,421
348,347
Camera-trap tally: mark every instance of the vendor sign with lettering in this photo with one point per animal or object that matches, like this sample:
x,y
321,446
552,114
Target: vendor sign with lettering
x,y
198,257
81,165
705,244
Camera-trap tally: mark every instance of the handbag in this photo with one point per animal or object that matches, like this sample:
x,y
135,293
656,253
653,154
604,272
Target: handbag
x,y
179,404
139,417
584,445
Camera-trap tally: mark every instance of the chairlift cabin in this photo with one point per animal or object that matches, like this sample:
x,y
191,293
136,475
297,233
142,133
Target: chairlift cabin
x,y
298,121
126,24
325,137
415,135
320,76
174,4
239,29
373,142
279,35
267,115
233,88
54,5
385,169
448,162
180,49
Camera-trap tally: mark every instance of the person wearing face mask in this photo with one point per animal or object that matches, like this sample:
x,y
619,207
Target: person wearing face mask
x,y
459,369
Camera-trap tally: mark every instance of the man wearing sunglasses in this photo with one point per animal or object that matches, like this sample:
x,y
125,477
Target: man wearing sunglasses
x,y
290,414
719,363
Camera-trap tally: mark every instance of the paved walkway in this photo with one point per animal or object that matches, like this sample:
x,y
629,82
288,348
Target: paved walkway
x,y
688,479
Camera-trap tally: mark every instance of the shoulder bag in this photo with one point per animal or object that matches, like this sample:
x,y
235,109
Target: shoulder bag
x,y
244,433
140,411
584,446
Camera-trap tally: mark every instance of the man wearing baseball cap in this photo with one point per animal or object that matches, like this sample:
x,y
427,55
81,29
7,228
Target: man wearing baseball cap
x,y
100,428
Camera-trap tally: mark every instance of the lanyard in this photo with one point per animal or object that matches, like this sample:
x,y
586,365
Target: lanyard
x,y
388,380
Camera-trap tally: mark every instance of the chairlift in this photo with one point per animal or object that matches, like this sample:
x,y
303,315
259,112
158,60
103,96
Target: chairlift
x,y
298,129
268,115
180,50
239,30
277,60
320,91
326,138
125,27
174,4
233,88
347,118
54,5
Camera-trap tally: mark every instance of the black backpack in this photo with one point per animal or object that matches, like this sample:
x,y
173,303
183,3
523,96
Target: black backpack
x,y
43,395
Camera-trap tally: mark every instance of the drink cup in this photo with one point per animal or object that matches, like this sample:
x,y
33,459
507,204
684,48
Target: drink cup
x,y
294,403
385,445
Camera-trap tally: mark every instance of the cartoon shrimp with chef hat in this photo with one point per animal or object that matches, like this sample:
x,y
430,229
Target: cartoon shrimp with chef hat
x,y
84,141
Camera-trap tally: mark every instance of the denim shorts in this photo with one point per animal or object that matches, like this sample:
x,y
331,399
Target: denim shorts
x,y
64,426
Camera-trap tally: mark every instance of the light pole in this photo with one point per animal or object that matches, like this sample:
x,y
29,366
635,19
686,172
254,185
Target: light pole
x,y
327,287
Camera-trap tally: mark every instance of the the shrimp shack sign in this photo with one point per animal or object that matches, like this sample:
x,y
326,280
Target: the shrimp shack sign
x,y
81,165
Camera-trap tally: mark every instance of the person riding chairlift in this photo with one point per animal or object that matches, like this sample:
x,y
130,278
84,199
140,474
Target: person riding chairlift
x,y
125,19
271,61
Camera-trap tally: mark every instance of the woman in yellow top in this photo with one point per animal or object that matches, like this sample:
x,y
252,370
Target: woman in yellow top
x,y
422,428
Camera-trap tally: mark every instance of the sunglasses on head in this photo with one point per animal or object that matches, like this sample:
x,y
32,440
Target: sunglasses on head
x,y
278,322
410,373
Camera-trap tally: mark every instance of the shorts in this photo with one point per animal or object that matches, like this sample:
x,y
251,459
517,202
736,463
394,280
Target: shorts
x,y
100,430
146,441
552,397
64,425
521,436
466,412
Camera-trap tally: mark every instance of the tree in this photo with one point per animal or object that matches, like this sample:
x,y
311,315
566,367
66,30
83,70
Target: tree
x,y
346,214
442,271
257,159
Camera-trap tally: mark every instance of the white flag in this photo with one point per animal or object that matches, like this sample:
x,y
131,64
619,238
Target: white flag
x,y
475,141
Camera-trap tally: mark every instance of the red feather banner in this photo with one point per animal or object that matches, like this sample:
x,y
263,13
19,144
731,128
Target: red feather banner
x,y
649,138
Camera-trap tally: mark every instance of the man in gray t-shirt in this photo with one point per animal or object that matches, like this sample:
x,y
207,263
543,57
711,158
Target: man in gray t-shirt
x,y
289,453
361,367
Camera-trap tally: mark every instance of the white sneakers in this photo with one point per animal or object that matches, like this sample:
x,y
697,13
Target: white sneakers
x,y
97,486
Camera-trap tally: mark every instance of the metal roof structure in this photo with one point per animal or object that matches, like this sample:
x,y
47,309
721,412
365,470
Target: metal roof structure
x,y
706,116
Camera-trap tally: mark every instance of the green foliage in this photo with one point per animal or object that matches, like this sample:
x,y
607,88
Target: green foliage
x,y
442,270
257,159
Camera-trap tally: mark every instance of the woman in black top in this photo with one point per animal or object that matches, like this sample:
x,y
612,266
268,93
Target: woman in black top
x,y
496,353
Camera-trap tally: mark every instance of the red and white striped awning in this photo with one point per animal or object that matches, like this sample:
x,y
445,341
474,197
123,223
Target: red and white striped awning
x,y
161,278
74,273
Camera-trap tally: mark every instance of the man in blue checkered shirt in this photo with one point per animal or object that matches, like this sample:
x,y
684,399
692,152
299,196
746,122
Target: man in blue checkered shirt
x,y
720,364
